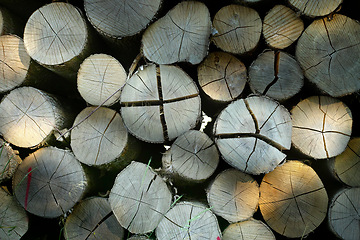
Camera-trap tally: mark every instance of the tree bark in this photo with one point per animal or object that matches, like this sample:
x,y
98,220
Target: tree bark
x,y
293,200
99,77
59,43
49,182
14,221
343,217
9,161
9,23
328,51
102,140
192,158
92,218
321,126
249,229
315,8
159,103
282,27
233,195
188,220
182,35
29,116
238,29
222,76
276,74
251,134
139,198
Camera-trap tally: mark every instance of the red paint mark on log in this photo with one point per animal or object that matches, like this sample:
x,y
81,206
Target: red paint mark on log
x,y
218,238
27,187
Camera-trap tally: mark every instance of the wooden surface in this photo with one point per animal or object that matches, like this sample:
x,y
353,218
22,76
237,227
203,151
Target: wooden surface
x,y
120,18
282,27
139,198
222,76
92,218
188,220
28,116
315,8
238,29
49,182
99,77
9,23
233,195
13,221
159,103
293,200
193,157
182,35
328,51
343,214
249,229
321,126
250,134
9,161
275,74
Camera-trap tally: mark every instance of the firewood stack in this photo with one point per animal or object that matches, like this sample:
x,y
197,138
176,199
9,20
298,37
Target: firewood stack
x,y
162,119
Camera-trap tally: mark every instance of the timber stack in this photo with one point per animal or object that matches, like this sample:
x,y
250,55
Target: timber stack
x,y
183,119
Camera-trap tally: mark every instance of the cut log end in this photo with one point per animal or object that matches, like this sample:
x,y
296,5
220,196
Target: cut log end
x,y
249,229
315,8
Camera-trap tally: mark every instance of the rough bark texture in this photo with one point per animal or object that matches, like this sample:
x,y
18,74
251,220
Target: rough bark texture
x,y
9,161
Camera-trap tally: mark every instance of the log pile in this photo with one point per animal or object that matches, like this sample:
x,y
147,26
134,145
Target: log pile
x,y
180,119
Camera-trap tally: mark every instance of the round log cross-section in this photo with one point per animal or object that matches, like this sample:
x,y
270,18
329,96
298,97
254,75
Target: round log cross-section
x,y
92,218
188,220
250,134
159,103
321,126
29,116
328,51
315,8
293,200
139,198
49,182
222,76
249,229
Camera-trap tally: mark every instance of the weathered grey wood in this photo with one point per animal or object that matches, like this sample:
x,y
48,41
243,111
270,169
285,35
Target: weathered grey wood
x,y
251,134
188,220
192,158
102,139
328,51
315,8
49,182
159,103
282,27
92,218
139,198
322,126
293,200
29,116
99,77
57,36
233,195
9,161
343,217
138,237
13,220
275,74
249,229
237,29
182,35
222,76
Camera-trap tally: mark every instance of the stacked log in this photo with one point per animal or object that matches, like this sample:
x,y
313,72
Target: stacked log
x,y
249,229
9,161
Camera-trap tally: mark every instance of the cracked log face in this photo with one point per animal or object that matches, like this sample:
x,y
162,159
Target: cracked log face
x,y
276,74
293,200
93,218
321,126
238,29
315,8
182,35
249,229
234,195
328,52
49,182
222,76
159,103
120,18
139,198
188,220
251,134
